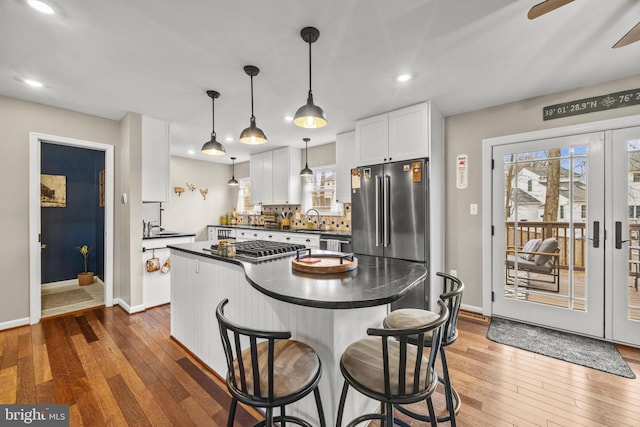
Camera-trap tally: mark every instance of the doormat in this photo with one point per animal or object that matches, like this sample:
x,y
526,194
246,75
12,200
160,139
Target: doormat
x,y
59,299
585,351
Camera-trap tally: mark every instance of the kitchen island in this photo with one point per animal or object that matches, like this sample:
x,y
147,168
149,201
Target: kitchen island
x,y
328,312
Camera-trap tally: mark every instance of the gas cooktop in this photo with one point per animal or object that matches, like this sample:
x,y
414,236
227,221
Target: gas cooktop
x,y
260,250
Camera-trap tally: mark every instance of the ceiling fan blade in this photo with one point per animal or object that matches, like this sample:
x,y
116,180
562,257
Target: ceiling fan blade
x,y
631,37
546,7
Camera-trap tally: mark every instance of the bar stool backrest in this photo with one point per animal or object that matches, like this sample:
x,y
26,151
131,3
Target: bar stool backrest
x,y
403,337
452,288
233,336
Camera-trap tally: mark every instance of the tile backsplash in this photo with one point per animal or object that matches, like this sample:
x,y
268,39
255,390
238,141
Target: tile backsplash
x,y
299,220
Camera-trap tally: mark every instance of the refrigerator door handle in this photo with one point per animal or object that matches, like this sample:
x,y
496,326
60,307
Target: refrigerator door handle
x,y
378,189
387,210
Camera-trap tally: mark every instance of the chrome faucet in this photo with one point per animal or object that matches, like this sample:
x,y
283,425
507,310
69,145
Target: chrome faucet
x,y
317,214
150,227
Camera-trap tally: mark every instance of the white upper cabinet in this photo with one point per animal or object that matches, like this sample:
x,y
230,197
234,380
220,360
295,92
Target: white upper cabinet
x,y
372,140
155,160
398,135
275,177
345,161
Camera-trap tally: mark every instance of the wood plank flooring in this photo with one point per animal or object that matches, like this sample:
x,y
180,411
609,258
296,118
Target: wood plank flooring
x,y
114,369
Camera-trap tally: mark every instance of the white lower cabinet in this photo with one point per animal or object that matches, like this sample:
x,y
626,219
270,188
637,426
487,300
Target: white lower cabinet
x,y
156,285
309,240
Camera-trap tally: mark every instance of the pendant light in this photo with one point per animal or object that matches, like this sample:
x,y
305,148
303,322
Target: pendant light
x,y
306,171
253,134
310,115
233,181
213,147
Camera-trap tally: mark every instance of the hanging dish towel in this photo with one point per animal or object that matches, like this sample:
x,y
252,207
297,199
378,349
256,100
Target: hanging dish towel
x,y
333,245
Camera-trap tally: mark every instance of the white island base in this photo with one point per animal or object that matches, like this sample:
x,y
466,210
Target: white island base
x,y
199,283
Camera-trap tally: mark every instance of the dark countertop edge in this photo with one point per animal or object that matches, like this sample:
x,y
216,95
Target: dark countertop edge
x,y
301,301
293,230
168,236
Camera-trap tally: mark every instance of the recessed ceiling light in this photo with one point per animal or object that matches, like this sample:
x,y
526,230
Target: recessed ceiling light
x,y
403,77
191,152
41,7
288,118
228,139
33,83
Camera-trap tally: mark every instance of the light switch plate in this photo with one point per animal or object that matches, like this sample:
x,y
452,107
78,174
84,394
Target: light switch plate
x,y
473,209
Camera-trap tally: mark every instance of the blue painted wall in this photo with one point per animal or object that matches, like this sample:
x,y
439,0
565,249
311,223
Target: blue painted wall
x,y
81,222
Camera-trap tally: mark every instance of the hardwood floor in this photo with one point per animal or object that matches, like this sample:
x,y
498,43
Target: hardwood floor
x,y
116,370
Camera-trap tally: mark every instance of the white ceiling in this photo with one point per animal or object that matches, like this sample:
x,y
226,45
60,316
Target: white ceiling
x,y
158,57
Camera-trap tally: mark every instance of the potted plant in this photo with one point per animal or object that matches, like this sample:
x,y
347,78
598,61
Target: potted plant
x,y
85,278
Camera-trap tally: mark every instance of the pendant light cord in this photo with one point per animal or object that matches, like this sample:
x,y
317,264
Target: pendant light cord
x,y
213,117
309,66
252,116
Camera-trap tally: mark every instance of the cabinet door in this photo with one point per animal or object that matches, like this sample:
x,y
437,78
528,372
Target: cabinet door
x,y
267,177
281,171
243,235
256,168
309,240
155,160
345,161
372,140
409,132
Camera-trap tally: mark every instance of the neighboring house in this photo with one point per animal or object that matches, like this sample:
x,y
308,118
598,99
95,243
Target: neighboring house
x,y
530,192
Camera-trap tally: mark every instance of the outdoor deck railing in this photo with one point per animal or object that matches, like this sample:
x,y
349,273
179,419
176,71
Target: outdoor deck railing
x,y
570,249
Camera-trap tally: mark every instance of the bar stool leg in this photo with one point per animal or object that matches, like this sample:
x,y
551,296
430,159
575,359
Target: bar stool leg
x,y
232,412
268,421
448,390
432,413
316,394
343,398
283,414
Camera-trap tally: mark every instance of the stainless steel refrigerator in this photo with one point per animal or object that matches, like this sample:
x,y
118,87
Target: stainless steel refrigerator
x,y
390,216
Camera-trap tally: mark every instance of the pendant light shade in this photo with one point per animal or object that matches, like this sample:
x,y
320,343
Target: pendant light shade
x,y
306,171
233,181
310,116
252,135
213,147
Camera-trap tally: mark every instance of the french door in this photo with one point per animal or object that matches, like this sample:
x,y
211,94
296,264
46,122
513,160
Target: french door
x,y
565,250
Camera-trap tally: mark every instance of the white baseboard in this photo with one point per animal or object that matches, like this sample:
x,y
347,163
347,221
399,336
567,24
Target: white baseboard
x,y
471,308
128,308
14,323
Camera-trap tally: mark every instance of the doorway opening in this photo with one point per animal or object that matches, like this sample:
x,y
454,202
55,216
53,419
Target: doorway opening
x,y
71,225
72,228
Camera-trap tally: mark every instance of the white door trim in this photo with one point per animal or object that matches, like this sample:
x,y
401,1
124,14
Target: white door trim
x,y
487,149
35,140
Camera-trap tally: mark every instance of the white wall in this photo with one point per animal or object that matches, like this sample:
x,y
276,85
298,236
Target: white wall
x,y
17,119
190,212
464,134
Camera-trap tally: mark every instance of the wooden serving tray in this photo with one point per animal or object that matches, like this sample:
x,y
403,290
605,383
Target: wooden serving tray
x,y
324,264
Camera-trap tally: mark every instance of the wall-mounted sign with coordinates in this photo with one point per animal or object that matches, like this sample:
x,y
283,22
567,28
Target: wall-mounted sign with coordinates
x,y
590,105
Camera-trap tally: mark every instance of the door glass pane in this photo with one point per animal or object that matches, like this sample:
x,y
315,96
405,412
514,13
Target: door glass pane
x,y
633,236
546,211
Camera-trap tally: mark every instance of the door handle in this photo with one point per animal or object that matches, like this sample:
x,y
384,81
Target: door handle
x,y
619,240
43,246
378,189
387,210
596,235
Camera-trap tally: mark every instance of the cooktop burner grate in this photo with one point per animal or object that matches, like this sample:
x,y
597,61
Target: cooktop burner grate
x,y
259,250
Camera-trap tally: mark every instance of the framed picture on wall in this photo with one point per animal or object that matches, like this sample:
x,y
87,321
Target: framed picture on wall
x,y
53,191
101,185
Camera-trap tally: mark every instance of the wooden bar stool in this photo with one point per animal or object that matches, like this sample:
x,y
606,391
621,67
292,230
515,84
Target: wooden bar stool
x,y
387,368
270,373
410,317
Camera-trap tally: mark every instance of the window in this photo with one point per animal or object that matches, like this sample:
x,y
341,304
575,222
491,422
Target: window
x,y
583,211
634,212
244,205
530,186
636,177
561,211
319,191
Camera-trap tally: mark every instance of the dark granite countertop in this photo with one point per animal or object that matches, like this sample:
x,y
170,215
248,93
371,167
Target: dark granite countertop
x,y
292,230
376,281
